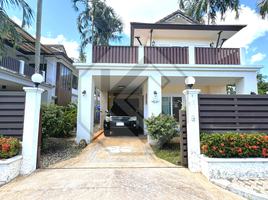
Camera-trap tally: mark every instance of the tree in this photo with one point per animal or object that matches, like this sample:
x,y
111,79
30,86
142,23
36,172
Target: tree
x,y
8,28
98,24
262,8
198,8
38,36
262,84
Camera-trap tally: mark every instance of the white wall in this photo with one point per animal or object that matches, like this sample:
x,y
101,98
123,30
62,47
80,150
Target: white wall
x,y
179,42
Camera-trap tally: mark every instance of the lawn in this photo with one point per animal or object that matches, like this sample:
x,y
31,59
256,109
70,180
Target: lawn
x,y
169,152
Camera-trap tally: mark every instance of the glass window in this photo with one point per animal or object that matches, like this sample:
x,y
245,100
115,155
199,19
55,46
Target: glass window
x,y
176,106
171,105
166,105
66,78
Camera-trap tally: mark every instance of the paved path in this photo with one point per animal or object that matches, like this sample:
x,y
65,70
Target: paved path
x,y
114,168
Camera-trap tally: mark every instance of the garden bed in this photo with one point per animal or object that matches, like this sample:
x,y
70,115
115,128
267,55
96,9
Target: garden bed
x,y
9,168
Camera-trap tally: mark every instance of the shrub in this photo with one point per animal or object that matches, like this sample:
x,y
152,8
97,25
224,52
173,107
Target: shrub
x,y
8,147
233,145
161,127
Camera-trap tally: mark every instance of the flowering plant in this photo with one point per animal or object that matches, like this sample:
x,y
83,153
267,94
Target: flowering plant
x,y
233,145
8,147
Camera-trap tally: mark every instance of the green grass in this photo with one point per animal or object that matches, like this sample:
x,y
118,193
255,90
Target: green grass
x,y
169,152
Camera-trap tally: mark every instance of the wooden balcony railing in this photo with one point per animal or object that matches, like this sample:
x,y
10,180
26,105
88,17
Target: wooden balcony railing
x,y
214,56
166,55
10,63
115,54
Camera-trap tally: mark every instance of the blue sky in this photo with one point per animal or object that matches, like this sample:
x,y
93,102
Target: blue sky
x,y
59,24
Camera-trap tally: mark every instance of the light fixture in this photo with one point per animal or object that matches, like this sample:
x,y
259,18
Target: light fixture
x,y
121,87
267,92
153,43
211,44
84,92
155,93
190,81
37,79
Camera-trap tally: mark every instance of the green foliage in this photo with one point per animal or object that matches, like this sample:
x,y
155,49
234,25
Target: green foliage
x,y
162,127
230,89
233,145
262,84
58,121
8,147
183,106
169,152
262,8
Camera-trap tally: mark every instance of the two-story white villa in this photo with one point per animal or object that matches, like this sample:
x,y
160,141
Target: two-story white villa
x,y
154,68
60,76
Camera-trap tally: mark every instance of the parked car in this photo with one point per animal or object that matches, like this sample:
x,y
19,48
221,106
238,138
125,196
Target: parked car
x,y
121,119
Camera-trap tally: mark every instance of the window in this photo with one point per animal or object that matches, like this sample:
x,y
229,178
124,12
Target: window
x,y
75,82
66,78
171,106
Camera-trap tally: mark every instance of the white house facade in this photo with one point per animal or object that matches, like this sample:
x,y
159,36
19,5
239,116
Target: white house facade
x,y
154,68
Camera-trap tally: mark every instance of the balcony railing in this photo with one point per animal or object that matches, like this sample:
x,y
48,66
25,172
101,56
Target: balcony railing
x,y
167,55
10,63
28,70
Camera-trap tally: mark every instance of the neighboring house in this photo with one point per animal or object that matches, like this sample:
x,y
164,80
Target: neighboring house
x,y
153,69
60,76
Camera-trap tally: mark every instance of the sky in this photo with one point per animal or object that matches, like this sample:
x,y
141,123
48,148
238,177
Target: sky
x,y
59,24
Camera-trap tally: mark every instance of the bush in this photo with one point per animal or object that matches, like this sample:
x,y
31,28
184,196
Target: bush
x,y
8,147
161,127
234,145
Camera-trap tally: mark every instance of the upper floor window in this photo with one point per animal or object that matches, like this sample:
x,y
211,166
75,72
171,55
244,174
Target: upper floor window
x,y
75,82
66,78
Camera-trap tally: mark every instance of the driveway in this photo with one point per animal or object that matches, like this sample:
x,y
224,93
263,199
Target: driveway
x,y
114,168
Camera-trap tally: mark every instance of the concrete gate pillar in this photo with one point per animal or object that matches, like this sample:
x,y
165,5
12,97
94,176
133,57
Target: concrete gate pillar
x,y
193,131
103,106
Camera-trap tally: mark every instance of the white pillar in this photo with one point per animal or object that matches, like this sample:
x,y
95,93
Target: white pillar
x,y
154,102
89,53
243,59
191,55
193,131
85,118
141,54
103,106
30,129
22,63
247,84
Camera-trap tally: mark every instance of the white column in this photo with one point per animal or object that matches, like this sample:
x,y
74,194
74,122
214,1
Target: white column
x,y
89,53
22,63
243,59
247,84
154,102
193,132
30,129
103,106
141,54
85,118
191,55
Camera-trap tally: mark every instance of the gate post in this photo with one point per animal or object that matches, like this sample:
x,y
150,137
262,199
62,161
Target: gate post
x,y
30,129
193,132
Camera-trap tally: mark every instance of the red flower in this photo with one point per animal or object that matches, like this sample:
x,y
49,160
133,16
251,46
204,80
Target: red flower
x,y
265,152
220,151
222,145
242,136
214,147
232,138
231,148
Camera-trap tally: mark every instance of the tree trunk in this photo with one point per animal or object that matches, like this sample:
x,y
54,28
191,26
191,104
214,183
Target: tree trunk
x,y
208,11
38,36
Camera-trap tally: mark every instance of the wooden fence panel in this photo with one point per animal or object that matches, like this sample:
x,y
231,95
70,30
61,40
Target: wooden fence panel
x,y
217,56
233,113
183,137
115,54
10,63
29,70
12,106
166,55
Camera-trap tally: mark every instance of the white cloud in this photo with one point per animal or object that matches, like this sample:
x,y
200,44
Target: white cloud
x,y
70,46
257,57
19,22
254,49
256,27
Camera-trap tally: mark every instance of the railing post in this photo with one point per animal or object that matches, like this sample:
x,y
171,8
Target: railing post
x,y
89,53
141,54
22,64
193,132
30,129
243,60
191,55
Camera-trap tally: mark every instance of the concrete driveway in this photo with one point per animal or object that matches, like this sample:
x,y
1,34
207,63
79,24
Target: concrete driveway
x,y
114,168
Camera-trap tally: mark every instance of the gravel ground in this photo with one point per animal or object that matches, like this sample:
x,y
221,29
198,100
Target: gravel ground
x,y
59,149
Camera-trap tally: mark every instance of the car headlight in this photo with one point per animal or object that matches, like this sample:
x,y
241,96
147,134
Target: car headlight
x,y
108,118
133,119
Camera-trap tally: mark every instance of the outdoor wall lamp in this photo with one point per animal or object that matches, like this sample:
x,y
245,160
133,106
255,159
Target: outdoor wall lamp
x,y
190,81
155,99
211,44
155,93
84,92
37,79
153,43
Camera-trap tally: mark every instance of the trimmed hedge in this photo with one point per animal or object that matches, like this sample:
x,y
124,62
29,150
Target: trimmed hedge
x,y
234,145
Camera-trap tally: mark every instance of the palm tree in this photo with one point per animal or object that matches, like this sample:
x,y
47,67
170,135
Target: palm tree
x,y
7,27
262,8
198,8
97,23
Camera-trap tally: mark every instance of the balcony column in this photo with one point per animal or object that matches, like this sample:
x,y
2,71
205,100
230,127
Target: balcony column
x,y
247,84
22,64
243,60
191,55
89,53
141,54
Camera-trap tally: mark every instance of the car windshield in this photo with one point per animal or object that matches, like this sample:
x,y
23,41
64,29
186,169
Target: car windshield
x,y
122,110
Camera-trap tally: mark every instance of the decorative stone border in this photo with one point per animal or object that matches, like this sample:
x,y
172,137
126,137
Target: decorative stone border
x,y
230,168
10,168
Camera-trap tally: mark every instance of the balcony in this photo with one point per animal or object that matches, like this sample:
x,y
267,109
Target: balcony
x,y
167,55
17,66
